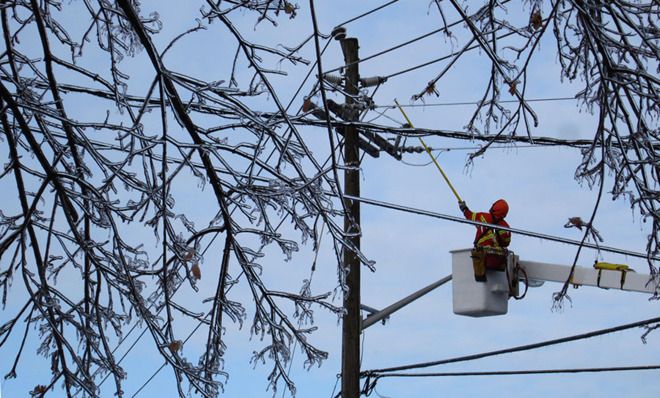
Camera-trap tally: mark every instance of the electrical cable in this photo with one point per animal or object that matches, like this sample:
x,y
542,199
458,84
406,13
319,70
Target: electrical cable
x,y
525,347
456,134
295,95
444,57
379,395
368,12
473,148
332,394
331,138
309,73
406,43
383,114
549,99
411,41
184,342
539,141
518,231
526,279
390,49
364,335
419,149
144,331
430,162
526,372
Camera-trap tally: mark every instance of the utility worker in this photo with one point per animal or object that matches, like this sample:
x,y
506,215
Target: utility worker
x,y
490,245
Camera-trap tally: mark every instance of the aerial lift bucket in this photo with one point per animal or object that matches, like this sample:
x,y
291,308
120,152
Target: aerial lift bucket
x,y
482,298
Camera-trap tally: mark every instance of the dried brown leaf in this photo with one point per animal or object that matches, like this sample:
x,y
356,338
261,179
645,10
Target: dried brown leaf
x,y
175,346
576,222
189,255
536,20
39,390
512,88
196,271
430,89
308,105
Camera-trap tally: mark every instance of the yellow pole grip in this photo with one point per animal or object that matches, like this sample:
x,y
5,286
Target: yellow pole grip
x,y
431,155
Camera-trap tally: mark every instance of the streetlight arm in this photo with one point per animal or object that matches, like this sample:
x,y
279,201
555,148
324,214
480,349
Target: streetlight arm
x,y
373,318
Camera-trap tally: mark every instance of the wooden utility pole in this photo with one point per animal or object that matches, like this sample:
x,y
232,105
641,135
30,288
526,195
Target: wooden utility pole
x,y
350,352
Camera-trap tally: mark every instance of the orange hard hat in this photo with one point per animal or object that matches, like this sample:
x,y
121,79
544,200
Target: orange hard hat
x,y
500,208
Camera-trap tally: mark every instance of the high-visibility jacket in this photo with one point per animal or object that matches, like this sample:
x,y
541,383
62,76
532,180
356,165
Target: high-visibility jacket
x,y
485,237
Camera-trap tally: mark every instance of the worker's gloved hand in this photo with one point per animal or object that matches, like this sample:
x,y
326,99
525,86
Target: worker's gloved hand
x,y
462,205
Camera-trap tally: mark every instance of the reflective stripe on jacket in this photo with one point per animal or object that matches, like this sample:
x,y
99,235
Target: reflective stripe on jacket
x,y
485,237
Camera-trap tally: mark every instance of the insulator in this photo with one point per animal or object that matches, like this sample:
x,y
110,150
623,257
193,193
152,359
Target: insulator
x,y
412,149
372,81
339,33
334,79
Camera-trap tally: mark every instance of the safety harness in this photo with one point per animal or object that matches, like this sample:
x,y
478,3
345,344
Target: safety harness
x,y
489,233
480,253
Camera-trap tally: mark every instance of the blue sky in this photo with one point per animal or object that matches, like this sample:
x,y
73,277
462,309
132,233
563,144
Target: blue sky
x,y
412,251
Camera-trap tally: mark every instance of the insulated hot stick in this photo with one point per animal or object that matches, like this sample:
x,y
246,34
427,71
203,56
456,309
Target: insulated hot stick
x,y
431,155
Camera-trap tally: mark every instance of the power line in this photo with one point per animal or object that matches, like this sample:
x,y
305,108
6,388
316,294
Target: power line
x,y
472,148
387,4
512,230
420,149
368,12
397,46
525,372
444,57
387,50
309,73
383,114
332,394
165,363
144,331
537,140
550,99
526,347
465,135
